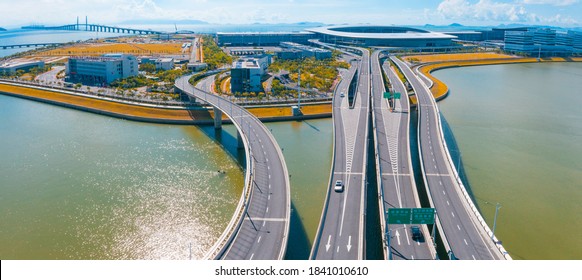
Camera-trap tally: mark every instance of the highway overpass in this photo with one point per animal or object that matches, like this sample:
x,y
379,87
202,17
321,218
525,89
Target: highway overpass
x,y
396,184
341,232
464,233
259,229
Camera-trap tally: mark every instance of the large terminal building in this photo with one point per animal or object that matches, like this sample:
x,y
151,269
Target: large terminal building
x,y
382,36
357,35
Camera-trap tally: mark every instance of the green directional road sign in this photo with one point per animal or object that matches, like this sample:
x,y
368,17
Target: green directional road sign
x,y
399,215
422,216
411,216
397,95
386,95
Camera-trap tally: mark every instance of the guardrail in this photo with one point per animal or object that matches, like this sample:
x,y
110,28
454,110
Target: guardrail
x,y
379,181
103,96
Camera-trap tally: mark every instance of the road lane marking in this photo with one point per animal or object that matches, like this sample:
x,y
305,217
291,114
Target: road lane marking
x,y
466,242
264,222
337,249
267,210
259,240
269,197
444,193
473,257
268,219
252,255
458,227
453,214
448,203
328,243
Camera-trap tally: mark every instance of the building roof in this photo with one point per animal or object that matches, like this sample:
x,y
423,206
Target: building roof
x,y
266,33
246,63
20,63
379,32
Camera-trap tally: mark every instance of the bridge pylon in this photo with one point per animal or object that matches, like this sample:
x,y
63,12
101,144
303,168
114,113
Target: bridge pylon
x,y
217,118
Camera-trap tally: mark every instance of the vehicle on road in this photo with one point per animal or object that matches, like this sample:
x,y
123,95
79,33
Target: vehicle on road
x,y
339,186
416,234
342,94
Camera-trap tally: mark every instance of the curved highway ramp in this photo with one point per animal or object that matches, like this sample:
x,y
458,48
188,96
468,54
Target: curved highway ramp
x,y
259,228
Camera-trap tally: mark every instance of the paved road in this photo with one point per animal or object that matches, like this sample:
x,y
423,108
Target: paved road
x,y
341,230
397,186
264,231
50,76
459,226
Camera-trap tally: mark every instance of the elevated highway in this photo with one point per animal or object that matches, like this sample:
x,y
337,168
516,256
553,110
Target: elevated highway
x,y
464,233
341,232
396,184
259,229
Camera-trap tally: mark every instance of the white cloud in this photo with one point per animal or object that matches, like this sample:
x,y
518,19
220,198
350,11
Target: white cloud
x,y
490,11
484,10
551,2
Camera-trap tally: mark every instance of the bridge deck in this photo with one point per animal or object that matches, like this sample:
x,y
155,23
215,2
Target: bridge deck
x,y
263,223
460,227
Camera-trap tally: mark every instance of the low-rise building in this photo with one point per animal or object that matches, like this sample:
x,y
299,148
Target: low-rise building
x,y
161,63
246,73
10,68
543,42
245,76
261,38
295,51
101,70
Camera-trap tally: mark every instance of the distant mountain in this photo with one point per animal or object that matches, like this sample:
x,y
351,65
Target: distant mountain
x,y
303,23
2,29
164,21
309,23
456,25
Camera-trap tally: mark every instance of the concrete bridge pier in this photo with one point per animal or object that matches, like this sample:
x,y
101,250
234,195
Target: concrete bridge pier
x,y
239,141
217,118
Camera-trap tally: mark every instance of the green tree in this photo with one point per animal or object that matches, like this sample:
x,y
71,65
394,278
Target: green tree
x,y
147,67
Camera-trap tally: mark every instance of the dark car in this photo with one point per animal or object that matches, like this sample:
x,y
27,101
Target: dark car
x,y
416,233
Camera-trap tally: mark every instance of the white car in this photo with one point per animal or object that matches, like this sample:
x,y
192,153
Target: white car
x,y
339,186
342,94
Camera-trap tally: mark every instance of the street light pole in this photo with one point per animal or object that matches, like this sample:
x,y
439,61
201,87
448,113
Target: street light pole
x,y
495,219
459,166
299,88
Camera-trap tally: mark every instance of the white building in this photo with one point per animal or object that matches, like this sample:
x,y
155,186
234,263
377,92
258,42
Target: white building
x,y
245,75
160,63
296,51
12,67
101,70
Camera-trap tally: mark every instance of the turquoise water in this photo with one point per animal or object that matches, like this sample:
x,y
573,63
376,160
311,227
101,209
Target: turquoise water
x,y
519,129
75,185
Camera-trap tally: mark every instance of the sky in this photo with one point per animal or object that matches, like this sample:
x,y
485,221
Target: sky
x,y
563,13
